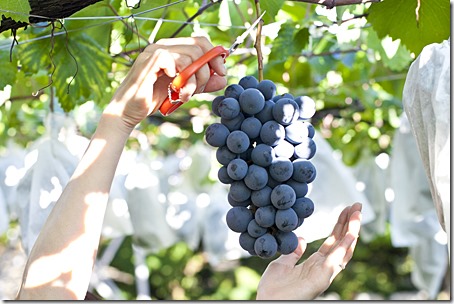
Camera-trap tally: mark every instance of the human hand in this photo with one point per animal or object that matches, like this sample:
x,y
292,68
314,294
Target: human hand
x,y
146,85
283,279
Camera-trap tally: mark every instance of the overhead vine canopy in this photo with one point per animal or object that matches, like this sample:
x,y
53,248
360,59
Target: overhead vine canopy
x,y
350,55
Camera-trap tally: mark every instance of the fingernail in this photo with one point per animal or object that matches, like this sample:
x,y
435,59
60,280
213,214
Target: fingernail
x,y
224,70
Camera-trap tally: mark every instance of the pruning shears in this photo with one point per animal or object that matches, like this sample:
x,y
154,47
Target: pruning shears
x,y
173,102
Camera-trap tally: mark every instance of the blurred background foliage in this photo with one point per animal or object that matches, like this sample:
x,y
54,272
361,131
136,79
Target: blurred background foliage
x,y
352,60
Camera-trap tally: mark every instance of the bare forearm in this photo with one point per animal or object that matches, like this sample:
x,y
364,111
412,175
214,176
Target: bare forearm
x,y
61,261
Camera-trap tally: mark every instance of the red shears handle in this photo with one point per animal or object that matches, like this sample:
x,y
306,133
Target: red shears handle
x,y
172,102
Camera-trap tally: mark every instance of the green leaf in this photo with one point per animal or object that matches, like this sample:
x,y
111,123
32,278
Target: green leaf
x,y
399,20
18,10
271,7
9,69
92,65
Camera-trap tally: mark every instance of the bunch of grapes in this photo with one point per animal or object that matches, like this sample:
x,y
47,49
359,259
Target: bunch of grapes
x,y
264,143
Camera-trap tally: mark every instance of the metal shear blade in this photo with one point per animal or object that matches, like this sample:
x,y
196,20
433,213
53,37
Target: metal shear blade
x,y
240,39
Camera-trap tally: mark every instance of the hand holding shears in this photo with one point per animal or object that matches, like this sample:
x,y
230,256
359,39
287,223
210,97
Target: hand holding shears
x,y
172,102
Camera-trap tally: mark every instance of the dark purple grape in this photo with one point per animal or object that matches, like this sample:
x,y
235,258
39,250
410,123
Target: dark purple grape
x,y
283,196
233,91
238,218
235,203
281,169
215,105
233,124
265,246
287,242
262,155
304,207
251,126
262,197
272,132
248,82
239,191
216,134
256,177
267,88
223,176
299,188
229,108
285,111
265,216
306,149
224,156
284,149
238,142
255,230
251,101
247,242
286,220
266,114
237,169
296,132
303,171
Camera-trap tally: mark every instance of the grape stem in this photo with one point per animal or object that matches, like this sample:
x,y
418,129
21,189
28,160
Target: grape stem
x,y
258,42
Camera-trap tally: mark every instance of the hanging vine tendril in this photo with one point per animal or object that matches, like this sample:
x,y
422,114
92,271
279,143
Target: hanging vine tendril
x,y
51,56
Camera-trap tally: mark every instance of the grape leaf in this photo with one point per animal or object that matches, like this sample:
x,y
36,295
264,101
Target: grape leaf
x,y
19,10
400,19
289,41
271,7
9,69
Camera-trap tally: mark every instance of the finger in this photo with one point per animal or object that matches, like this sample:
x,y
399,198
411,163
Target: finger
x,y
336,233
215,83
292,258
355,207
344,251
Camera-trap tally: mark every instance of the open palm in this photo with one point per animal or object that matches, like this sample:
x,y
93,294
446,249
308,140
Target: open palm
x,y
284,279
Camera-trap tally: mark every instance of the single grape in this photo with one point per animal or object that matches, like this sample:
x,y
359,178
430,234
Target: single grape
x,y
237,169
223,176
215,105
284,149
266,114
281,169
239,191
304,207
251,101
262,197
286,219
299,188
287,242
238,142
283,196
235,203
303,171
256,177
248,82
216,134
267,88
233,91
233,124
238,218
306,106
247,242
306,149
272,132
285,111
262,155
265,216
255,230
296,132
265,246
229,108
251,126
224,156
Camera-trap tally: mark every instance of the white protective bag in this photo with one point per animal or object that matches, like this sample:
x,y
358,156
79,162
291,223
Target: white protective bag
x,y
413,218
427,103
45,179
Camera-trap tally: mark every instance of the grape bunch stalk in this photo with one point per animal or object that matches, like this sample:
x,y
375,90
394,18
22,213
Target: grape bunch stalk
x,y
264,144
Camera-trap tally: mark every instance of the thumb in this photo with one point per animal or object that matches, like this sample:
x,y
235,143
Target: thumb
x,y
292,258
